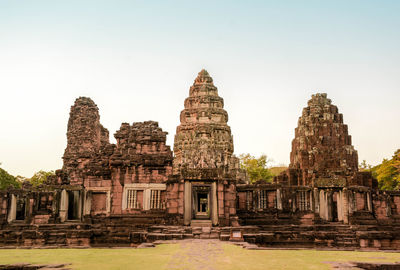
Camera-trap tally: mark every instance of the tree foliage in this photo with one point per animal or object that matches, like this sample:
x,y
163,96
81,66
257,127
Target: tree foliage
x,y
388,173
256,168
7,180
40,177
364,166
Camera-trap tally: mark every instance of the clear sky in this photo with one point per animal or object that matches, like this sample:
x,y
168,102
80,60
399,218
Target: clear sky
x,y
137,60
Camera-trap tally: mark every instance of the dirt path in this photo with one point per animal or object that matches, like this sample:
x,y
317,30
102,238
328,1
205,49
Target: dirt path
x,y
197,254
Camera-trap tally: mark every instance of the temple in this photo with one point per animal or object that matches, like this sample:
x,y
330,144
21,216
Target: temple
x,y
139,190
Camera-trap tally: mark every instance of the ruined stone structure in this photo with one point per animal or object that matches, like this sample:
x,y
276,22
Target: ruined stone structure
x,y
322,147
136,190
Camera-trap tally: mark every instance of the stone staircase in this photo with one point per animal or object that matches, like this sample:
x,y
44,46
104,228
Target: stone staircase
x,y
330,235
304,236
200,223
182,232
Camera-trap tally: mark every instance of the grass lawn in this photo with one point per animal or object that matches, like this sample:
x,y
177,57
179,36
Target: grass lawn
x,y
178,256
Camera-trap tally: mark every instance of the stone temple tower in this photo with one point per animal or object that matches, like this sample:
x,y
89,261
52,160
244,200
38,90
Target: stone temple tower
x,y
204,166
322,147
203,140
86,141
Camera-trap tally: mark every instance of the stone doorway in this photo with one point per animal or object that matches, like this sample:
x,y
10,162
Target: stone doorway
x,y
20,209
201,202
73,205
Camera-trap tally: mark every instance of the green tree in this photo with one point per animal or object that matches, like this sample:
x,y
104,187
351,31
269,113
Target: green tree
x,y
21,179
256,168
40,177
7,180
388,173
364,166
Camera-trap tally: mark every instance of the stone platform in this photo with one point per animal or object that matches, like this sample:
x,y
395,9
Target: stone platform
x,y
340,236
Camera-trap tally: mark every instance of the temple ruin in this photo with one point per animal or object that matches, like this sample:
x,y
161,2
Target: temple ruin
x,y
138,190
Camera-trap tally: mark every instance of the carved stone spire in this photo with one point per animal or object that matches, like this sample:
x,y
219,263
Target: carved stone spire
x,y
322,146
85,134
203,140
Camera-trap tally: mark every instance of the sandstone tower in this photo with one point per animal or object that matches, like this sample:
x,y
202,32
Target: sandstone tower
x,y
86,142
203,140
204,167
322,146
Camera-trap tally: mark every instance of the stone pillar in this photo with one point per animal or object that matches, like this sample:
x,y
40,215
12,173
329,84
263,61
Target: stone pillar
x,y
87,205
294,203
146,199
316,199
63,206
12,212
214,211
54,205
345,206
81,199
278,199
322,204
187,201
350,201
369,202
355,202
339,201
328,205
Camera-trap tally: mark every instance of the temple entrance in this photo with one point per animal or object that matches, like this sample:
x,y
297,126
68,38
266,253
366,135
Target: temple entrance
x,y
201,202
20,209
73,205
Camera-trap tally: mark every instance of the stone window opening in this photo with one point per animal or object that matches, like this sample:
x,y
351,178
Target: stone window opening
x,y
155,199
17,208
143,196
20,209
302,199
262,199
42,203
132,199
202,202
97,201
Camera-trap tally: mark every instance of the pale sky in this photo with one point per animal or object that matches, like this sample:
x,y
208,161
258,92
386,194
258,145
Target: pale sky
x,y
137,60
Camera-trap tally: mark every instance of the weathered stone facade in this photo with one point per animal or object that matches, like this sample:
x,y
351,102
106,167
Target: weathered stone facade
x,y
88,146
204,165
203,140
322,147
135,190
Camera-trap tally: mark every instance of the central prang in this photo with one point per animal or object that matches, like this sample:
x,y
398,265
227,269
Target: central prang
x,y
204,162
203,140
